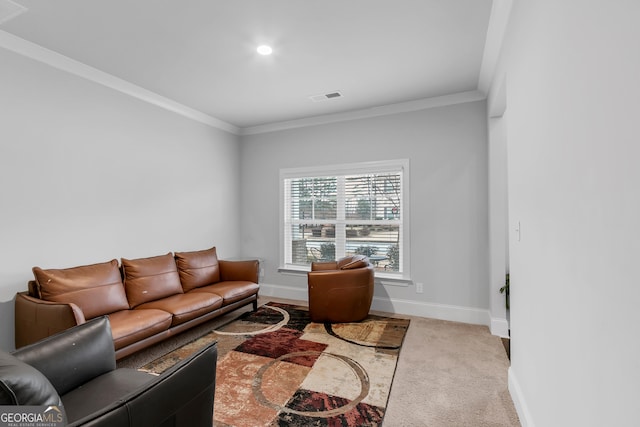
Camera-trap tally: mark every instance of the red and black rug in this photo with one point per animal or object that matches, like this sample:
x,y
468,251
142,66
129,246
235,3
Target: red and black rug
x,y
277,368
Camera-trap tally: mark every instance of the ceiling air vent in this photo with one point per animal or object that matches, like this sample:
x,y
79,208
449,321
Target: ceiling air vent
x,y
326,96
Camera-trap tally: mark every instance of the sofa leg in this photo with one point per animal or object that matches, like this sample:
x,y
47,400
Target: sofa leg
x,y
255,305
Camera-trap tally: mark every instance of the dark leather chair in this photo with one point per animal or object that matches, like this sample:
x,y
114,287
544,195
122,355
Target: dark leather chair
x,y
340,291
77,369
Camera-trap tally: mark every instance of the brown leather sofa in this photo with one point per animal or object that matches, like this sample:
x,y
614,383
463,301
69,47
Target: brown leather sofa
x,y
147,299
74,373
340,291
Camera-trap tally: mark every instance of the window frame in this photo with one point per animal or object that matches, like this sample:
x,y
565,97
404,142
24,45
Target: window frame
x,y
386,166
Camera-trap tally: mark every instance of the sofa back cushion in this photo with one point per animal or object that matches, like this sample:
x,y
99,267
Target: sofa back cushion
x,y
97,289
150,279
198,268
351,262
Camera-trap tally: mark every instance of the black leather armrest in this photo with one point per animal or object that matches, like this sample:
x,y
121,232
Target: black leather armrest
x,y
181,397
192,405
74,356
22,384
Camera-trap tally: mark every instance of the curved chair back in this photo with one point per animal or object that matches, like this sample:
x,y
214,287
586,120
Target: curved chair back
x,y
340,291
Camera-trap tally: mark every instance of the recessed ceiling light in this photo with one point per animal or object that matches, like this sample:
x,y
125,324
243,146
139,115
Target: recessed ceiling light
x,y
264,50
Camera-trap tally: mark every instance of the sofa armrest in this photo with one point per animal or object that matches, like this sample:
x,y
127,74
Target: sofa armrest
x,y
195,377
74,356
248,271
36,319
182,396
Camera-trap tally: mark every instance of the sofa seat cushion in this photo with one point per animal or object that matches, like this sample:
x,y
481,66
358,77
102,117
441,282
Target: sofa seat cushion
x,y
107,390
230,291
185,307
130,326
97,289
198,268
150,279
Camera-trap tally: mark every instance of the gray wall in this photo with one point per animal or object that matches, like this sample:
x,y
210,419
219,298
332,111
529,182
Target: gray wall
x,y
88,174
572,91
447,148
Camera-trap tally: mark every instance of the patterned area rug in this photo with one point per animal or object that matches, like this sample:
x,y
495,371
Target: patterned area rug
x,y
277,368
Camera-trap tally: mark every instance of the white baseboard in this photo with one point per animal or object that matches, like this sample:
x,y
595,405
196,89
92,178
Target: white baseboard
x,y
518,400
435,311
280,291
453,313
499,327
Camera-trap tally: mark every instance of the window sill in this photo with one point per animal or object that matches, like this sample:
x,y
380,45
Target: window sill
x,y
293,272
385,280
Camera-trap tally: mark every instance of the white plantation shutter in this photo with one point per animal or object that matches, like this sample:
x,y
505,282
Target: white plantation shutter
x,y
346,210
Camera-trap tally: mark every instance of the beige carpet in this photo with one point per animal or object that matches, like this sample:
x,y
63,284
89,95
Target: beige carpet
x,y
448,375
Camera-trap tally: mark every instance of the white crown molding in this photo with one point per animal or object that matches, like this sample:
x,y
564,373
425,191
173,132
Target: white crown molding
x,y
9,10
498,21
495,33
384,110
31,50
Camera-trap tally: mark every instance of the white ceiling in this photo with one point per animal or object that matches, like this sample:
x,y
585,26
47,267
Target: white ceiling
x,y
201,53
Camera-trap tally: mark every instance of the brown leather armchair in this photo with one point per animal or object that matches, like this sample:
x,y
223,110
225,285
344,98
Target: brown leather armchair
x,y
340,291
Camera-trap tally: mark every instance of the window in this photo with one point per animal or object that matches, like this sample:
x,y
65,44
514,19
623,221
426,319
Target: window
x,y
335,211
